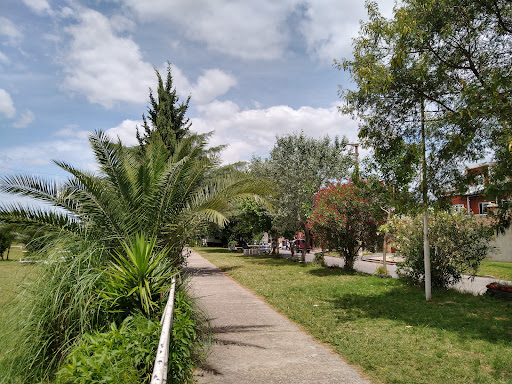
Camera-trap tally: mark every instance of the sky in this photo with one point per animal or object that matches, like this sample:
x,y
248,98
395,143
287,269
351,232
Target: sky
x,y
255,69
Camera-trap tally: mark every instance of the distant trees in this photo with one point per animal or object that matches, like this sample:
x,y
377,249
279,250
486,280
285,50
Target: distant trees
x,y
299,166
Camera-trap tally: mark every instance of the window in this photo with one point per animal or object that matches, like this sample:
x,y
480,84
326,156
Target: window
x,y
482,207
459,208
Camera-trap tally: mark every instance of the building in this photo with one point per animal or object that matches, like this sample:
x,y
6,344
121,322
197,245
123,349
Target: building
x,y
474,200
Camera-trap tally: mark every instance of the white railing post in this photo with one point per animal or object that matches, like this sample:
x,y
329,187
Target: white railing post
x,y
162,355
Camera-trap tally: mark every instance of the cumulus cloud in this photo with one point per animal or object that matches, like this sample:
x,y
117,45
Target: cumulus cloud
x,y
38,156
247,29
6,104
253,131
38,6
261,29
210,85
4,59
103,66
26,118
126,132
11,31
328,28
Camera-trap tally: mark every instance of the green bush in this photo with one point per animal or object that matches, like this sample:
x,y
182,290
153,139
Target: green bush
x,y
124,354
137,278
458,243
185,347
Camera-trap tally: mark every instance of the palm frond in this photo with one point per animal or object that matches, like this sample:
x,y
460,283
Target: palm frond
x,y
39,218
31,186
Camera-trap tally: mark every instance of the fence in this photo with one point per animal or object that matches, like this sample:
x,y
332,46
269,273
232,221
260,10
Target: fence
x,y
162,355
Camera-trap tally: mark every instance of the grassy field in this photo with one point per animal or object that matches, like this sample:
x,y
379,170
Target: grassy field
x,y
496,269
13,276
386,329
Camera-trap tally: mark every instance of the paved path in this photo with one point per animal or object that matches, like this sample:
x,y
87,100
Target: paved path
x,y
369,264
255,344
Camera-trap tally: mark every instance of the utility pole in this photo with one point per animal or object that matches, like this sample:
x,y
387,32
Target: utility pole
x,y
356,155
426,244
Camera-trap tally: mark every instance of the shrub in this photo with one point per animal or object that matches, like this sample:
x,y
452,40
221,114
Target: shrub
x,y
137,278
185,344
458,243
346,218
123,354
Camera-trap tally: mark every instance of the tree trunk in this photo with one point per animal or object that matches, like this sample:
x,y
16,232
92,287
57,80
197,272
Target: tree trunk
x,y
305,247
275,243
8,250
385,245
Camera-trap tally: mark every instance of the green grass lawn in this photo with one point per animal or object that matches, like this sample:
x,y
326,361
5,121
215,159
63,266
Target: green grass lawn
x,y
496,269
386,329
13,276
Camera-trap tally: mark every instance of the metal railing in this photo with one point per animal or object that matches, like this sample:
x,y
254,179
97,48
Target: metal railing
x,y
162,355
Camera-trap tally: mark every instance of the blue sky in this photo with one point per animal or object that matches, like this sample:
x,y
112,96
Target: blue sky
x,y
254,69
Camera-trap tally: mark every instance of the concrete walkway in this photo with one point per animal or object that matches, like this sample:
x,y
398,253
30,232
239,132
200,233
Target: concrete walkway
x,y
255,344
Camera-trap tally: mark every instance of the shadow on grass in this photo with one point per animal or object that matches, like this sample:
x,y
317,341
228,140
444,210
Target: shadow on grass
x,y
469,316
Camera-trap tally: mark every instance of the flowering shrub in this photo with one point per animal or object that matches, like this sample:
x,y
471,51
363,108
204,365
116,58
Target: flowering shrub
x,y
458,243
345,218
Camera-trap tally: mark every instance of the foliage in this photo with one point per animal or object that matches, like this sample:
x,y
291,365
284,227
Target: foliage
x,y
137,278
161,196
299,165
346,218
458,243
166,116
123,354
401,70
381,271
248,220
185,347
59,306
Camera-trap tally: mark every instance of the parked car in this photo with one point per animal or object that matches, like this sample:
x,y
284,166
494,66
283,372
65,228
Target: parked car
x,y
265,247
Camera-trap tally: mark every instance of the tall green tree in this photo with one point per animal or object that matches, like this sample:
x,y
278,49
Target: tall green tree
x,y
160,196
166,115
299,166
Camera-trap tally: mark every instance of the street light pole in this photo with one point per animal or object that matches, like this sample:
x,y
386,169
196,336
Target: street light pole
x,y
356,155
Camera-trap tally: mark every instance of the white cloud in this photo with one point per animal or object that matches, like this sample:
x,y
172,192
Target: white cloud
x,y
328,28
4,59
6,104
103,66
253,131
7,28
262,29
26,118
126,131
210,85
75,151
246,29
38,6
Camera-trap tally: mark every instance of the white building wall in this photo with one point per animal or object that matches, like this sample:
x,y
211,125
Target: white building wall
x,y
503,244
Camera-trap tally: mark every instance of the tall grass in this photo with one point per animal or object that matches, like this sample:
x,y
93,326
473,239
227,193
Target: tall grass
x,y
58,307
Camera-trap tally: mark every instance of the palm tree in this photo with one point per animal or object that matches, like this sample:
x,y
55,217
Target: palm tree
x,y
95,216
154,193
